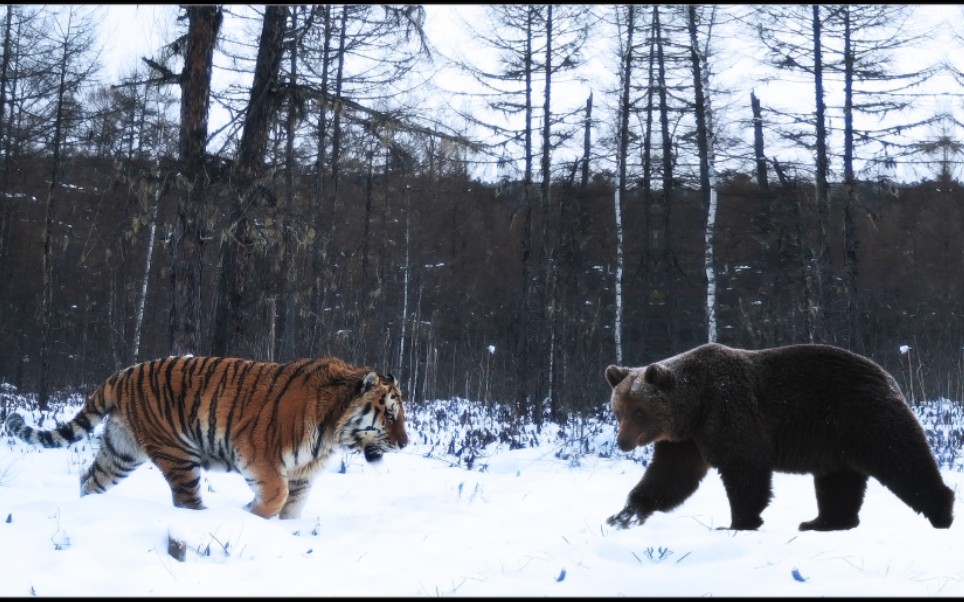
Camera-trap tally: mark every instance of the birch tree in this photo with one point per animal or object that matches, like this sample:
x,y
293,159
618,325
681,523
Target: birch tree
x,y
134,126
644,96
625,108
705,136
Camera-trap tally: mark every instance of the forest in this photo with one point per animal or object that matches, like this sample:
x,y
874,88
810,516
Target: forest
x,y
505,246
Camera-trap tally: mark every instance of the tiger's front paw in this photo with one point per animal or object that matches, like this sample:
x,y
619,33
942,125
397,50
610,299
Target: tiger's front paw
x,y
625,518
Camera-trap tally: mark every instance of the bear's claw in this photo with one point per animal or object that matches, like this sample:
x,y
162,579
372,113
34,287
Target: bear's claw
x,y
625,518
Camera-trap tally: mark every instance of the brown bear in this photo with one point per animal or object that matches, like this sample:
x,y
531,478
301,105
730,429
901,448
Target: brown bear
x,y
813,409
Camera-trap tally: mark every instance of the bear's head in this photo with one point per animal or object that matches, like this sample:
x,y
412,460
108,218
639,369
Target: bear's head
x,y
645,404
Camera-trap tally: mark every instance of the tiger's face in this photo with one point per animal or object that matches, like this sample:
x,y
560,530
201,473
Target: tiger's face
x,y
375,421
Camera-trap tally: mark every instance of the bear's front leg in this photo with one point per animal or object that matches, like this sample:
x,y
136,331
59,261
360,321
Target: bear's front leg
x,y
748,488
672,476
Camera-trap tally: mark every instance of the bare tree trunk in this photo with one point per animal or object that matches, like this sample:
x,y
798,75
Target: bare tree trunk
x,y
758,148
263,100
623,151
4,84
710,238
238,246
822,259
523,370
364,298
369,201
662,254
320,246
46,301
413,363
5,70
579,223
148,259
406,278
336,124
806,264
650,231
768,227
203,25
287,267
323,267
586,146
850,189
704,141
548,245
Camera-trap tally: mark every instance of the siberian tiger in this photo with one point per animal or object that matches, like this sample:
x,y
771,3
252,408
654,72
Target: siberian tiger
x,y
275,424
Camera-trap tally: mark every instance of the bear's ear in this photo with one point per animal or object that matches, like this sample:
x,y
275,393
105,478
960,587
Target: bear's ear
x,y
658,376
616,374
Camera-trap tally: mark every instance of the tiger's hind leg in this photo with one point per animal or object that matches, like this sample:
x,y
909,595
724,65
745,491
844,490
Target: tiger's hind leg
x,y
183,473
118,456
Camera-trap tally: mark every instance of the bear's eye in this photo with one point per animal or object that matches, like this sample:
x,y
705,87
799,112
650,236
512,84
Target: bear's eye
x,y
637,413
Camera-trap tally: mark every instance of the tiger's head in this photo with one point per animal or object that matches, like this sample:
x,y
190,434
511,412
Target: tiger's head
x,y
375,420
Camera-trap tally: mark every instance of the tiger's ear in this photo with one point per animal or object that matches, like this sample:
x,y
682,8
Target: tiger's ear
x,y
391,379
370,380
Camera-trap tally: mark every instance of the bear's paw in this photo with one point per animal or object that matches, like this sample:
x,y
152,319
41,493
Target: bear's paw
x,y
625,518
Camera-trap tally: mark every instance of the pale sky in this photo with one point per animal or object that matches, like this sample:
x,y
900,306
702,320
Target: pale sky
x,y
132,31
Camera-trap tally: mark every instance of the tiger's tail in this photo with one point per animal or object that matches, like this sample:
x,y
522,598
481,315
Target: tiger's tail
x,y
98,405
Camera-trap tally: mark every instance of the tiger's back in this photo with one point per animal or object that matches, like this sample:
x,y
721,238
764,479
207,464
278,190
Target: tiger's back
x,y
275,424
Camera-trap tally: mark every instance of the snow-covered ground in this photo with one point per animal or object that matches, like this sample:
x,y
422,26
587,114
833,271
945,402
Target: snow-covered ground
x,y
522,522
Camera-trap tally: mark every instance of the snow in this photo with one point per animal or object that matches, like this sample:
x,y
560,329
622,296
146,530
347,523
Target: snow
x,y
521,522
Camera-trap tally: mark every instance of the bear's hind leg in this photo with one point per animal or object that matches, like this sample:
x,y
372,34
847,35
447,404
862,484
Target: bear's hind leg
x,y
839,497
749,489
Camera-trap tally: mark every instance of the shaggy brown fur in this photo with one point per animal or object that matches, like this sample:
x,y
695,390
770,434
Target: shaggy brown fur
x,y
276,424
800,409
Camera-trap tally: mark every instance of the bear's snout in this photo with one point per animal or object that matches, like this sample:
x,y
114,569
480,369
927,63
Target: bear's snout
x,y
625,443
